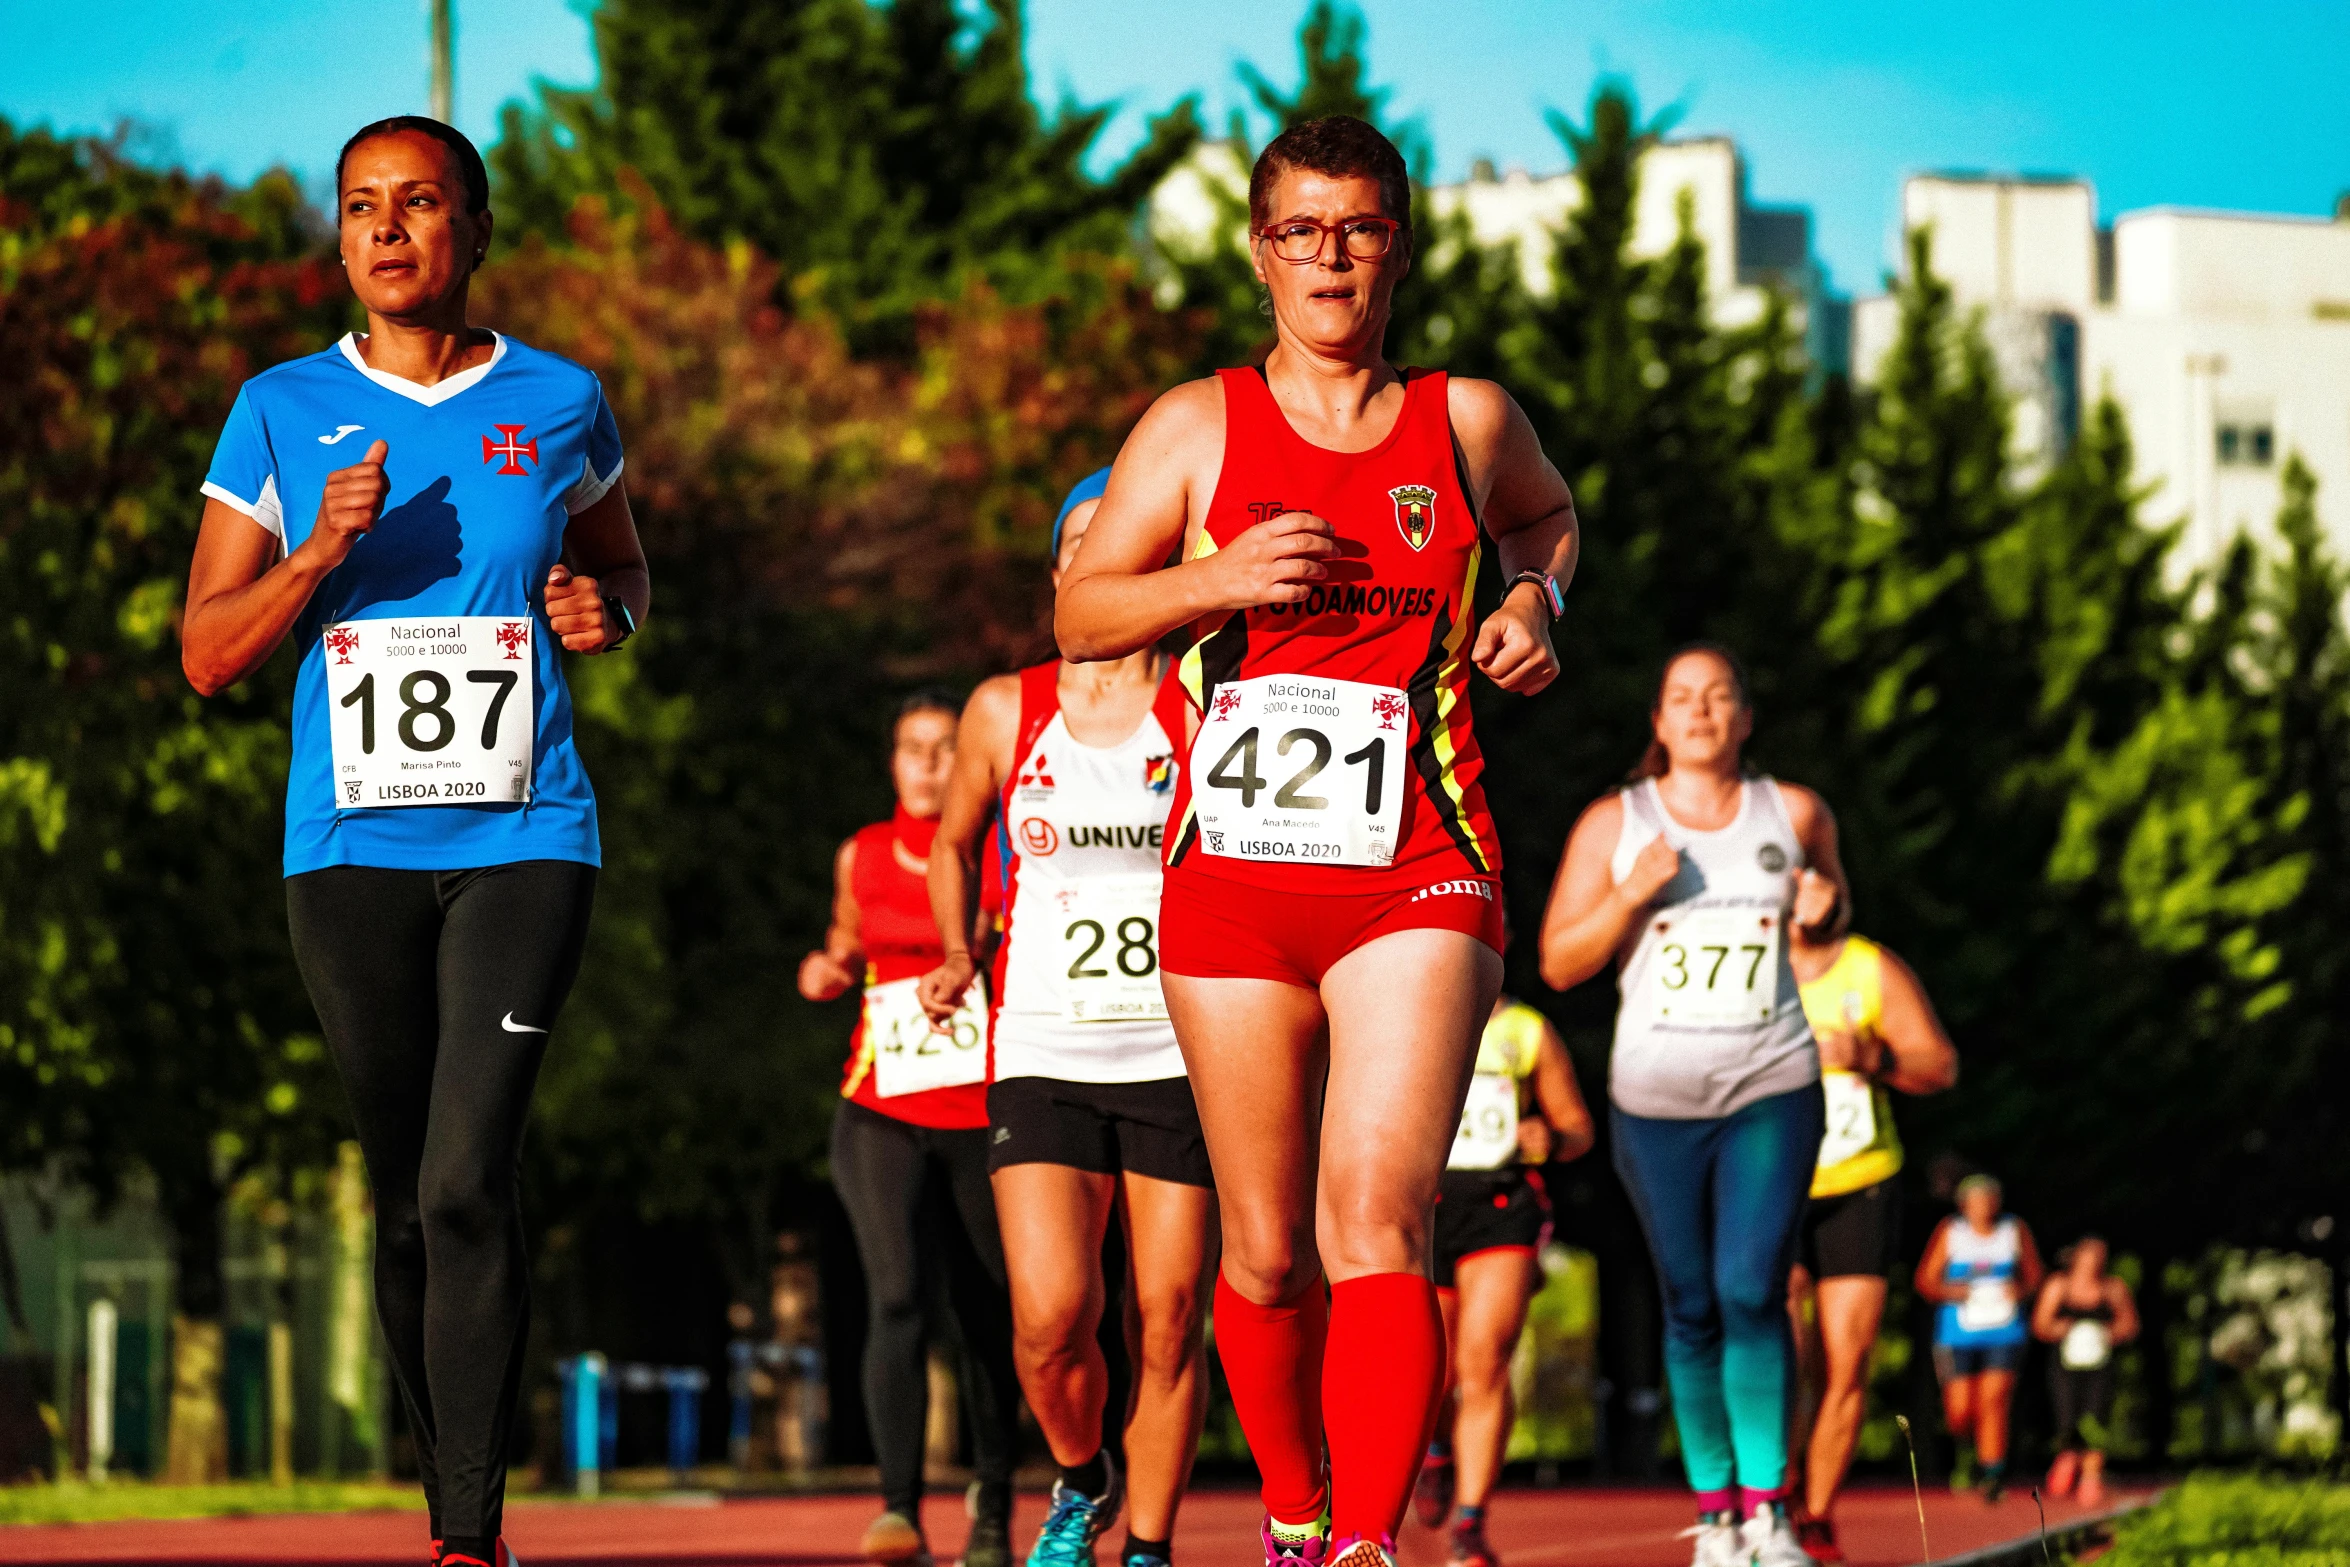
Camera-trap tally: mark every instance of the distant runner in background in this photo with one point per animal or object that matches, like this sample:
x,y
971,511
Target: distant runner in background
x,y
2087,1313
1492,1216
1877,1034
1687,880
1073,768
914,1115
1980,1268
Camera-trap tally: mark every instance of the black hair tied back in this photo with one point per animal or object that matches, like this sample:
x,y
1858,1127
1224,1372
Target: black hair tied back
x,y
470,169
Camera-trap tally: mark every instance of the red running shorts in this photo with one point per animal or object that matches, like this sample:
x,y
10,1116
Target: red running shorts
x,y
1210,928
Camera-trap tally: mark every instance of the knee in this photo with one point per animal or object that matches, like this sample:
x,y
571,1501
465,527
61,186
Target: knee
x,y
1374,1234
1045,1332
1169,1340
468,1207
1752,1308
1268,1263
1481,1370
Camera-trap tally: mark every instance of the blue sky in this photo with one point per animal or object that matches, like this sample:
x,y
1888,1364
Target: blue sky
x,y
2237,105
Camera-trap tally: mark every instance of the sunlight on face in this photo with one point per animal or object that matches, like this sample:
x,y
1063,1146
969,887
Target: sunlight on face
x,y
1333,304
920,760
407,241
1701,719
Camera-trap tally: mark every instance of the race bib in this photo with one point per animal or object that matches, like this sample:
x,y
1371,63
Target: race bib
x,y
430,710
1989,1304
1288,767
1852,1117
1715,965
1488,1137
2087,1345
1107,960
909,1055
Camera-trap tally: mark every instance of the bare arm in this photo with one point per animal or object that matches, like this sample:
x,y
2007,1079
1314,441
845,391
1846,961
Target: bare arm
x,y
2028,1267
1823,897
1928,1278
834,967
983,758
1569,1119
1921,1058
2048,1312
2125,1308
1591,915
242,599
605,560
1530,514
1119,594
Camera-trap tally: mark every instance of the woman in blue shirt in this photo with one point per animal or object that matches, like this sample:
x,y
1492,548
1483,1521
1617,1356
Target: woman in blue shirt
x,y
426,511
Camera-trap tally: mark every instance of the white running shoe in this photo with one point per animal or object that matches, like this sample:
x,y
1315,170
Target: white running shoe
x,y
1718,1544
1767,1539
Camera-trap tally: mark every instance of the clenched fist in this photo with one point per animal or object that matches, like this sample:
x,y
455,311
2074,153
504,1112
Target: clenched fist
x,y
575,608
1653,869
347,512
1279,561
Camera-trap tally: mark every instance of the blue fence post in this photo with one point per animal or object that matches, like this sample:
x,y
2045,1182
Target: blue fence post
x,y
584,1390
685,1384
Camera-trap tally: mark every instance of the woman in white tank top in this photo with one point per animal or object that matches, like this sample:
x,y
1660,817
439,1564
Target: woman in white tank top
x,y
1090,1112
1687,880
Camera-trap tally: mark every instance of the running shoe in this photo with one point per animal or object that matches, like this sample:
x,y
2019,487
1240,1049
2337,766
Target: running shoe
x,y
1817,1536
2062,1474
990,1540
1360,1550
1994,1487
1074,1521
1469,1548
505,1557
1432,1495
892,1537
1717,1542
1308,1550
1767,1539
1144,1559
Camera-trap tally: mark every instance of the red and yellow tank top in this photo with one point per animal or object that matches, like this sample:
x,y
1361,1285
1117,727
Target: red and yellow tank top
x,y
901,942
1395,613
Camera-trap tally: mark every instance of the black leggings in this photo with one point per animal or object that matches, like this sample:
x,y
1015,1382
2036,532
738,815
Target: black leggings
x,y
2078,1395
436,990
883,1167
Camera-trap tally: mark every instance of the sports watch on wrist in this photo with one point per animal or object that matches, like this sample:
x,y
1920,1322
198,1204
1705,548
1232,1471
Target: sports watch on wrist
x,y
1552,599
616,612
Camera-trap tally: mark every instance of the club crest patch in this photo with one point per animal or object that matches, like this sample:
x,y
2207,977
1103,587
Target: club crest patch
x,y
1415,513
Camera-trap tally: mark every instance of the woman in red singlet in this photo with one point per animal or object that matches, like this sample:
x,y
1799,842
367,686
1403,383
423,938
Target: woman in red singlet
x,y
914,1108
1331,922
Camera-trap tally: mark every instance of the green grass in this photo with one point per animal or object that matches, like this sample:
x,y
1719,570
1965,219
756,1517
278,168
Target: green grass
x,y
77,1502
2239,1521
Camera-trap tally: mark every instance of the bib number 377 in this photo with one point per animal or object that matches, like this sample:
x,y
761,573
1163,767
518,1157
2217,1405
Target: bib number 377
x,y
1288,767
430,711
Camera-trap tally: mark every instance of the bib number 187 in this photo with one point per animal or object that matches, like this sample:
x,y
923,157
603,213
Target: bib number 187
x,y
430,711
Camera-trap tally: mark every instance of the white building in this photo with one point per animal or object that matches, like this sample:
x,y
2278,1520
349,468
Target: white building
x,y
2225,338
1749,249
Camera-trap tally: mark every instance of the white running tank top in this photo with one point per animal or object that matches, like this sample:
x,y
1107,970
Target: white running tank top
x,y
1084,831
1710,1017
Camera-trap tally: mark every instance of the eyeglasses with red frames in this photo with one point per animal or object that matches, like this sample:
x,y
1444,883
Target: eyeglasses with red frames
x,y
1299,240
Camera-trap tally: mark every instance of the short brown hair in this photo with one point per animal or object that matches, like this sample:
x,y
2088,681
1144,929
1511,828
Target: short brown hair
x,y
1338,147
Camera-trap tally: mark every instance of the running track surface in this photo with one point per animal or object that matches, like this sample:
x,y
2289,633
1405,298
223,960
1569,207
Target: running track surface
x,y
1558,1528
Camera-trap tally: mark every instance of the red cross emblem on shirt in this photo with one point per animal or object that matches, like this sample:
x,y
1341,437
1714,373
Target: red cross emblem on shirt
x,y
514,449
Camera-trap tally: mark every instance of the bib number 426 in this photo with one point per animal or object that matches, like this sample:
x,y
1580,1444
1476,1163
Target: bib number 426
x,y
432,711
1269,792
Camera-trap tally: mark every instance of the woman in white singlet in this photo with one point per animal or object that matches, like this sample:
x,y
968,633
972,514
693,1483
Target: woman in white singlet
x,y
1687,880
1090,1110
1980,1270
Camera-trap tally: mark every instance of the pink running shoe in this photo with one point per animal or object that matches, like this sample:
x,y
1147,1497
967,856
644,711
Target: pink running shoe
x,y
1284,1551
1362,1551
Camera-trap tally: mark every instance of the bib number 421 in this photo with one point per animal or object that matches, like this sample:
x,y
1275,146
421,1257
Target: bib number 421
x,y
1300,769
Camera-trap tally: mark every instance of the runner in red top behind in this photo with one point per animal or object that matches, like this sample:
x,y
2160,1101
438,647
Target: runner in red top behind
x,y
1329,927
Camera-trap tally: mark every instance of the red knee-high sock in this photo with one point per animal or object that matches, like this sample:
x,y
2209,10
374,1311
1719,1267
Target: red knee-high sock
x,y
1273,1361
1382,1381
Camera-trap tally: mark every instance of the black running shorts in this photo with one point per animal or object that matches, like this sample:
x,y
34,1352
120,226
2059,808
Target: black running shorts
x,y
1149,1129
1487,1210
1857,1234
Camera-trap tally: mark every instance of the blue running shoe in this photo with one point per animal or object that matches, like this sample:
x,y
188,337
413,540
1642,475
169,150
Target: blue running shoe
x,y
1075,1521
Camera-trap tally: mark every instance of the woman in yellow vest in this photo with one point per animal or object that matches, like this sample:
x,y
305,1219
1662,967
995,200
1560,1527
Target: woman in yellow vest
x,y
1523,1111
1877,1034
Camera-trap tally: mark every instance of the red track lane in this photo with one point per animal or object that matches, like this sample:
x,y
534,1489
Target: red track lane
x,y
1562,1528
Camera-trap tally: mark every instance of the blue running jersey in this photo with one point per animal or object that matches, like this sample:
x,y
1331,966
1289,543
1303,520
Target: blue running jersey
x,y
486,470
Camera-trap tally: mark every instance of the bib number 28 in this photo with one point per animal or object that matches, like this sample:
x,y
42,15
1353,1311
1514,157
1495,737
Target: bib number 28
x,y
433,711
1269,791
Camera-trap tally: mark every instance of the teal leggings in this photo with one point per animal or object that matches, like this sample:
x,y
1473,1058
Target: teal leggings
x,y
1721,1202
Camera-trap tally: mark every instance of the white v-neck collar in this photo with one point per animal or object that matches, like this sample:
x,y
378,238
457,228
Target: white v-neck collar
x,y
430,396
